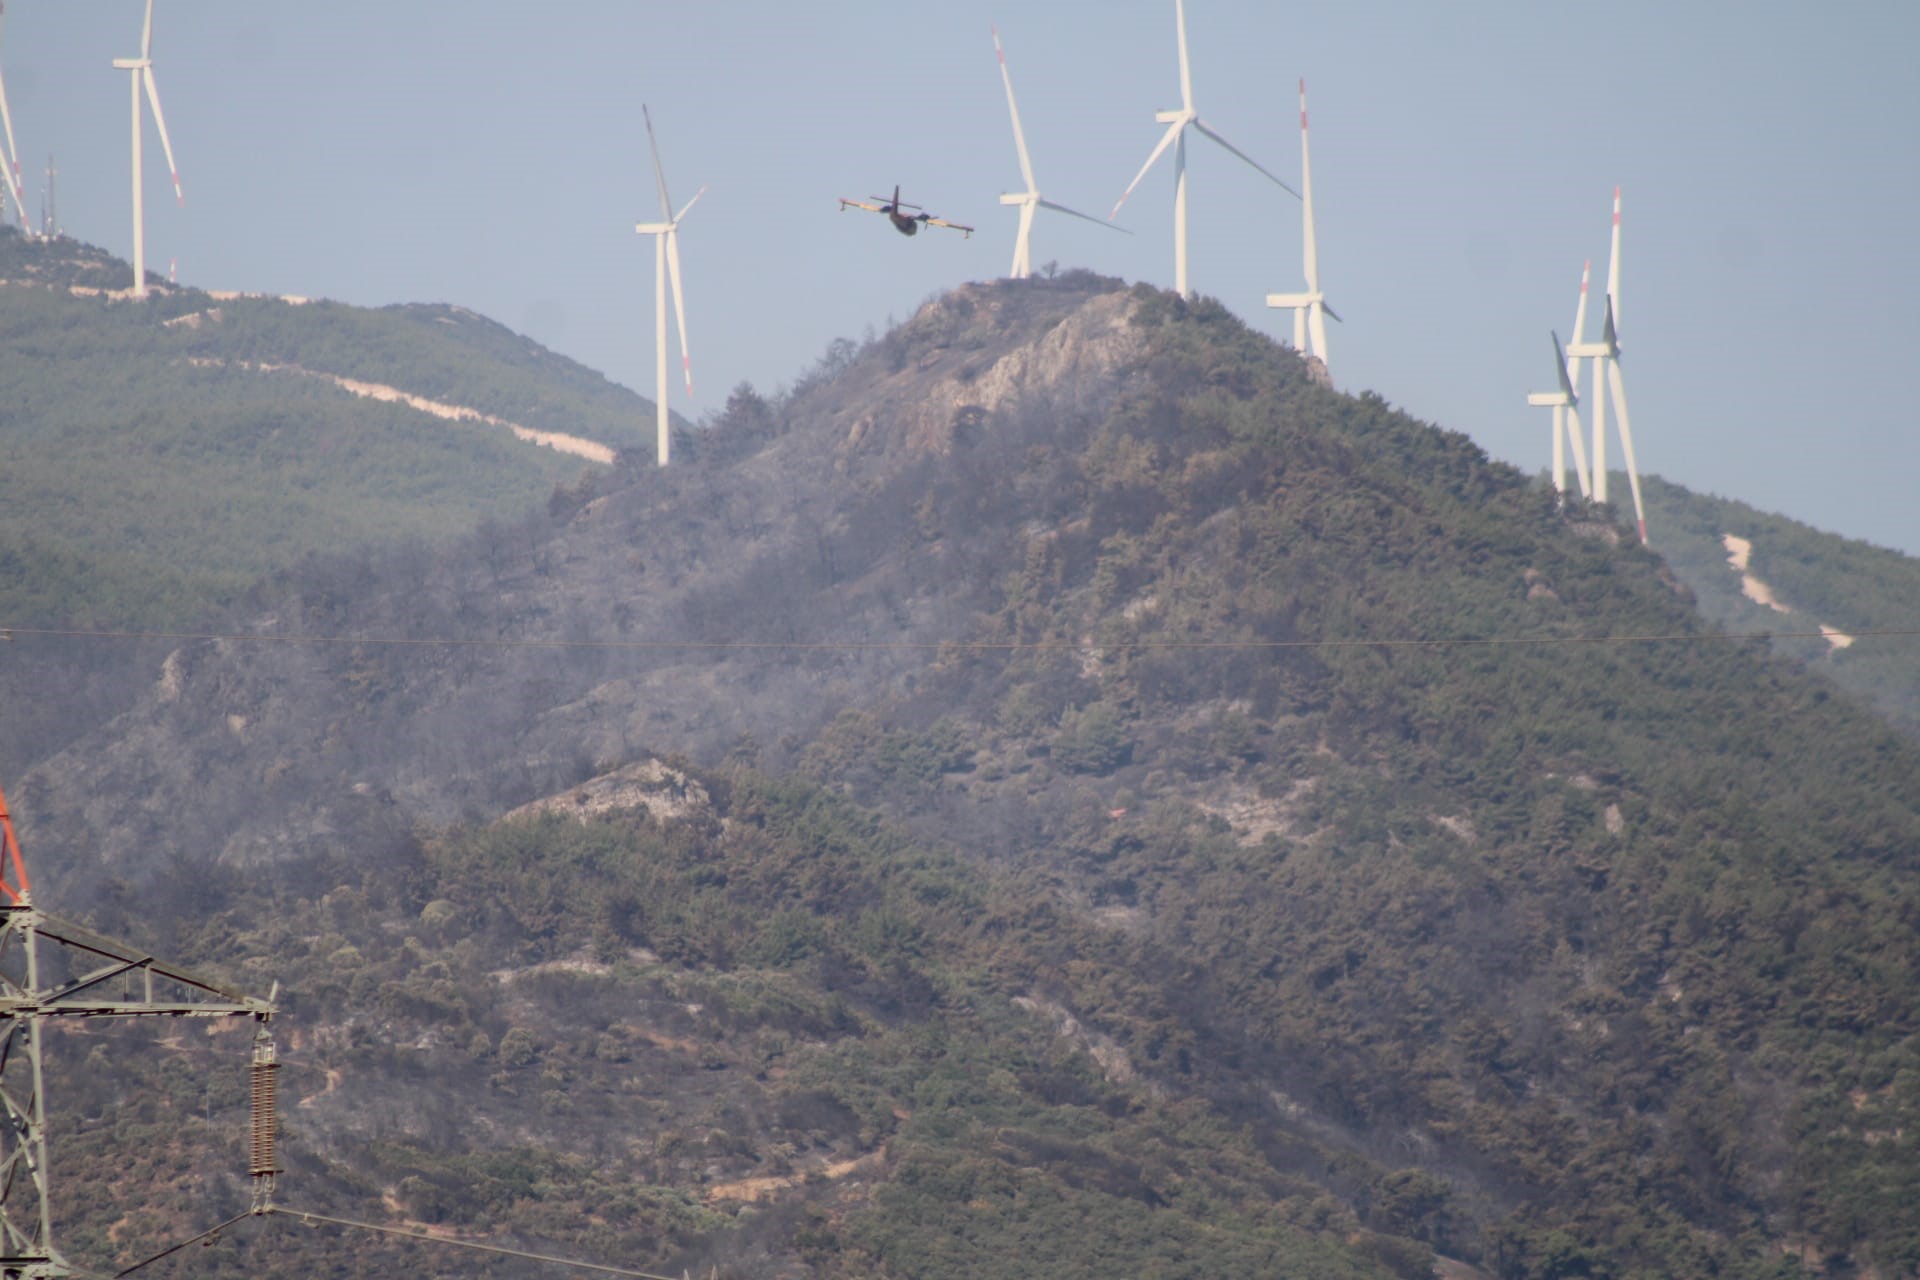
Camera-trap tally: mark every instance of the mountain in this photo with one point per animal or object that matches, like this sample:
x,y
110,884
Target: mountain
x,y
1753,570
163,455
1059,792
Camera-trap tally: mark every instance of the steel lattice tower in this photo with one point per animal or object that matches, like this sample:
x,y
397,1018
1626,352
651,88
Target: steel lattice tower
x,y
52,969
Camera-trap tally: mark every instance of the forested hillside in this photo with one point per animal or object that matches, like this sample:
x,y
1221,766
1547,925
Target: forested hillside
x,y
161,456
1798,578
1059,793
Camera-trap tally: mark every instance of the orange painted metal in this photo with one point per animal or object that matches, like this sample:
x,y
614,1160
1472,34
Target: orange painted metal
x,y
13,873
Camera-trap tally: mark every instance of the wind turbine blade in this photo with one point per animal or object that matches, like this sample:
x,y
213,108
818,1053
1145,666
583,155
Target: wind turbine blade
x,y
679,305
1186,75
146,33
1166,140
1317,321
1201,125
1331,312
1577,434
11,160
659,174
160,123
1102,222
1613,260
1312,252
1013,109
1580,320
1560,367
1626,443
688,205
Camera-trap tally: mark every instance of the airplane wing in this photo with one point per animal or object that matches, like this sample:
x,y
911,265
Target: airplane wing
x,y
942,222
859,204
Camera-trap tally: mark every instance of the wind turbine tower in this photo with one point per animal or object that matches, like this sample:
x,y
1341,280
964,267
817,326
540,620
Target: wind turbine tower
x,y
140,75
1605,355
1310,309
666,263
1030,199
1178,122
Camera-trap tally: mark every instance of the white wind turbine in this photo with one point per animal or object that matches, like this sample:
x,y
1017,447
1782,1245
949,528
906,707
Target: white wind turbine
x,y
140,72
1605,355
666,262
11,160
1178,122
1310,309
1030,199
1565,404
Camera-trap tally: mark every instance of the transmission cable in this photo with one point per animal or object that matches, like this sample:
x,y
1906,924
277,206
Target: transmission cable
x,y
179,1245
964,646
420,1234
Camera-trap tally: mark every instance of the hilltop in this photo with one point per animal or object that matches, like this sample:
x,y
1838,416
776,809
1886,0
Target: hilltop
x,y
1036,799
163,455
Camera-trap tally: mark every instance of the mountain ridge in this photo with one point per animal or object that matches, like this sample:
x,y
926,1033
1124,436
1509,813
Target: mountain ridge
x,y
1065,645
138,448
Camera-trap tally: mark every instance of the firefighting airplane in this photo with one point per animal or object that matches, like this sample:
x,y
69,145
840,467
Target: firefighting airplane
x,y
906,224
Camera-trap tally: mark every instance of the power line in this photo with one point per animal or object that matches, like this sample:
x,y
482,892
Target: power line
x,y
181,1244
965,646
421,1235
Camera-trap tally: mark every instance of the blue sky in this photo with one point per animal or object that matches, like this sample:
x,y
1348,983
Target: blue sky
x,y
491,155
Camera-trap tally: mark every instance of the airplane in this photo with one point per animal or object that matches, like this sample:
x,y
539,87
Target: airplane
x,y
906,224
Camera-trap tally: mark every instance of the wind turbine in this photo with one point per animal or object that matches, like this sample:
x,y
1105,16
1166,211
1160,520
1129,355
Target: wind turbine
x,y
666,262
140,72
1178,122
1605,355
1310,309
11,159
1565,404
1030,199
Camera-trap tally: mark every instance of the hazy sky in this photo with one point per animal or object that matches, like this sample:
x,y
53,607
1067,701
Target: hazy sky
x,y
491,155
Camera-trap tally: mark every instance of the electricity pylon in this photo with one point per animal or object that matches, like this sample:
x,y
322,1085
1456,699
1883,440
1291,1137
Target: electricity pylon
x,y
52,969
